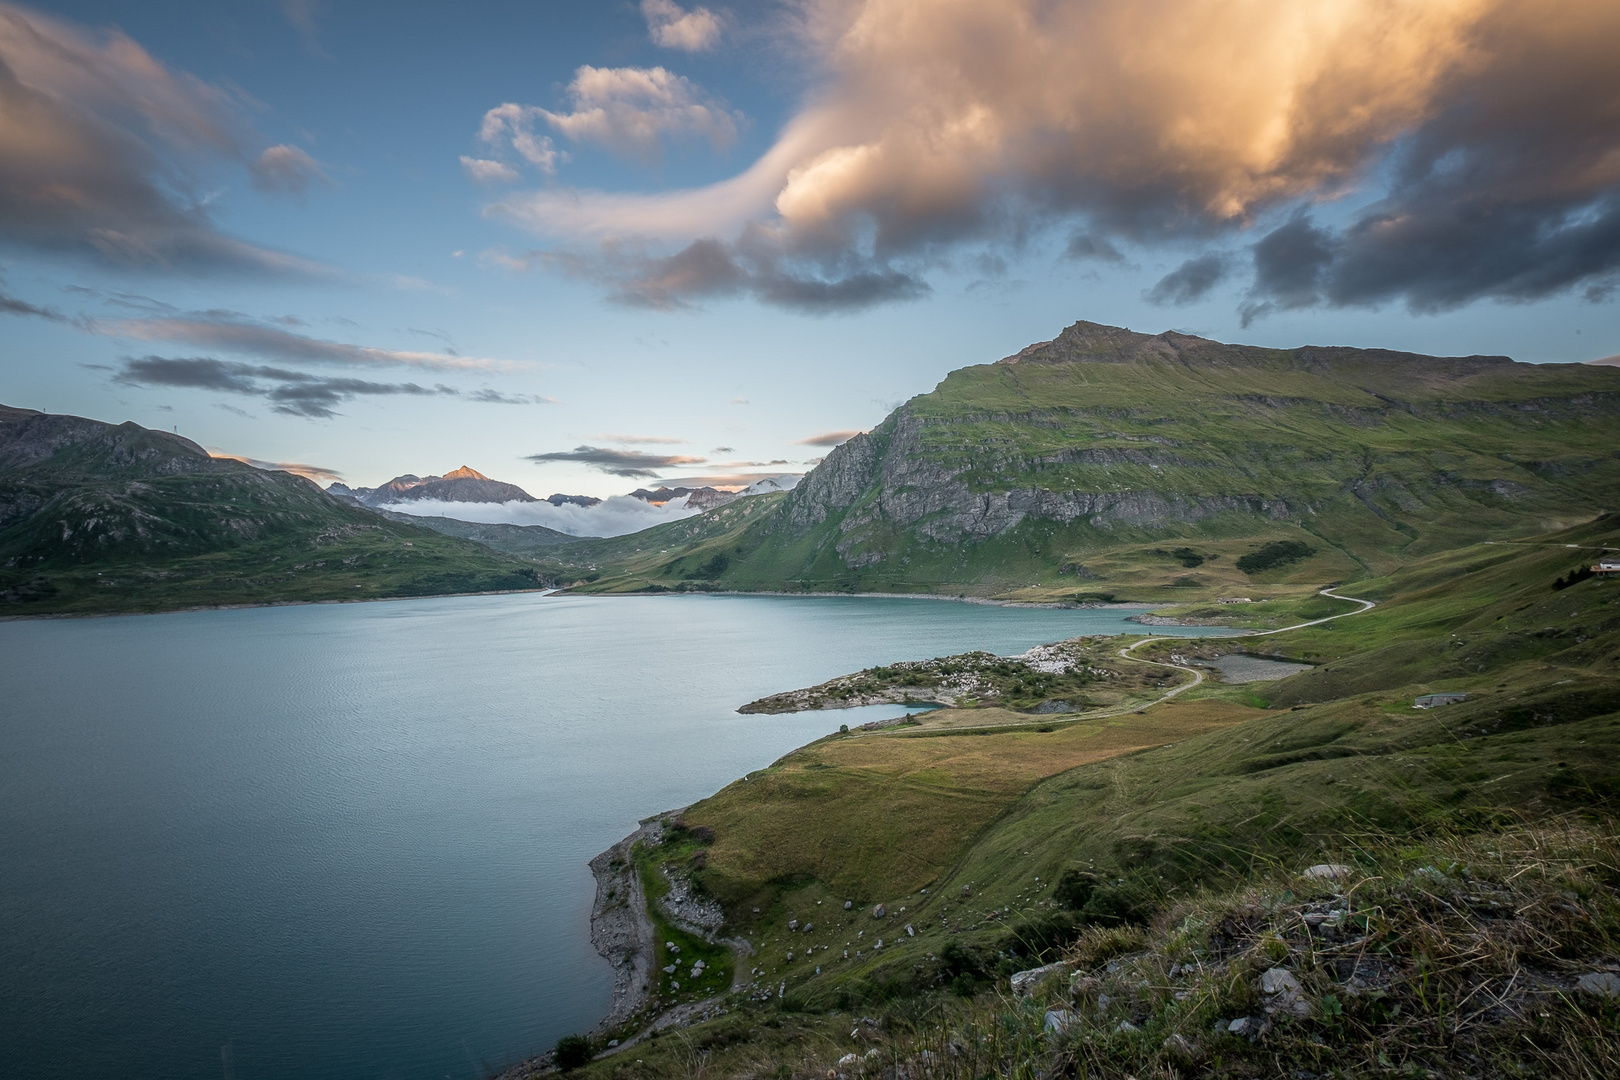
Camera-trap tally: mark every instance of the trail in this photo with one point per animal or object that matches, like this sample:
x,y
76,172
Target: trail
x,y
1198,676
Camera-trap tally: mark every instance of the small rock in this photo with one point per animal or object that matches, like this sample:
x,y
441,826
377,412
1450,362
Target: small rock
x,y
909,931
1328,871
1025,983
670,970
848,904
1126,1027
1103,1001
1243,1025
967,890
793,924
850,1059
1284,992
1180,1046
879,912
1600,984
809,927
1083,984
790,957
1058,1020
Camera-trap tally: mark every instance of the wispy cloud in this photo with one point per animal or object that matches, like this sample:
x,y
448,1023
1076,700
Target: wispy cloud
x,y
830,438
286,170
618,462
293,393
318,473
672,27
101,145
642,440
238,333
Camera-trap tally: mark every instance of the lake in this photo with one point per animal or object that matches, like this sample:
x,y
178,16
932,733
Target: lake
x,y
351,840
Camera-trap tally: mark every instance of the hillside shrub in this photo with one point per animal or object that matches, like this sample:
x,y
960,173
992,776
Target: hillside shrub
x,y
1274,554
572,1052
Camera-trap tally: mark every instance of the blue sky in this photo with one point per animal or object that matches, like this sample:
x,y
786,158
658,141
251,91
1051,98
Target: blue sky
x,y
912,224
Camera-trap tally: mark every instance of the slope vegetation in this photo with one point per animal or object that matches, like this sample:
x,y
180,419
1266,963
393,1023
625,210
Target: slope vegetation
x,y
1107,462
96,517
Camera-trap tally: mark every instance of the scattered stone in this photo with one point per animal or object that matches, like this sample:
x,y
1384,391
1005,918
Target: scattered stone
x,y
879,912
1328,871
1025,983
848,904
809,927
793,924
790,957
670,970
1245,1026
1180,1046
967,890
849,1059
1083,984
1126,1027
909,931
1058,1020
613,1042
1283,993
1600,984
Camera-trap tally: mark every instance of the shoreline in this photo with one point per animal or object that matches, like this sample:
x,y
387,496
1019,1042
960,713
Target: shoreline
x,y
1073,605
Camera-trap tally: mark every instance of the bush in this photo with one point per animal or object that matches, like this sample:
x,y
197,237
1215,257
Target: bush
x,y
572,1052
1275,554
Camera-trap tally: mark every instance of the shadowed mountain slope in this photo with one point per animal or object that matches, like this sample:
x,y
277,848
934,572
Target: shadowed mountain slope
x,y
103,517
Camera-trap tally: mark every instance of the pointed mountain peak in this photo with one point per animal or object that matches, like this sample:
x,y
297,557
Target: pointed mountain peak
x,y
465,473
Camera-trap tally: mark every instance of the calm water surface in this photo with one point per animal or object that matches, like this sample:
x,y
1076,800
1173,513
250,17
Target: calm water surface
x,y
350,841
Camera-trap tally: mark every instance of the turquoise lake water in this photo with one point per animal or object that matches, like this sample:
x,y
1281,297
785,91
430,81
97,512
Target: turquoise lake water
x,y
351,840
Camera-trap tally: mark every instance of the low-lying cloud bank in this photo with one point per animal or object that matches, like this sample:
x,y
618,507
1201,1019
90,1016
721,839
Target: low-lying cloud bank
x,y
614,516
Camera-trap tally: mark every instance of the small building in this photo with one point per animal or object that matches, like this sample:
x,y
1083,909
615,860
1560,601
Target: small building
x,y
1234,600
1434,701
1607,566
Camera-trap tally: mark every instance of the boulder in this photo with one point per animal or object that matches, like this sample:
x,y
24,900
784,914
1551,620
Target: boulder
x,y
1058,1020
879,912
1605,984
1328,871
1025,983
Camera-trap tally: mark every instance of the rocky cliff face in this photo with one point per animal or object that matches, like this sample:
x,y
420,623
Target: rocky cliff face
x,y
464,485
1103,428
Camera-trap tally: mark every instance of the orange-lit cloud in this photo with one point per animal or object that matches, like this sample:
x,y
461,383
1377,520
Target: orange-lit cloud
x,y
1480,139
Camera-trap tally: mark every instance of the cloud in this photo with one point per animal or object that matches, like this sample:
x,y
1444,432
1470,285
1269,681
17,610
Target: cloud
x,y
1191,281
1470,147
101,146
643,440
631,110
302,15
293,393
672,27
733,449
830,438
1084,245
613,516
10,305
495,397
287,170
511,127
618,462
234,332
318,473
732,481
485,171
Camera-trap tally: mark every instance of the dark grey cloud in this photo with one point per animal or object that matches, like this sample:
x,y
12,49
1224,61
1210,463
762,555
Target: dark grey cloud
x,y
830,438
294,393
618,462
1085,245
1191,281
10,305
495,397
101,149
712,269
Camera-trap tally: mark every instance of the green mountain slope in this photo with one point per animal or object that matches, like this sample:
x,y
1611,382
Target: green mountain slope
x,y
97,517
1107,461
512,539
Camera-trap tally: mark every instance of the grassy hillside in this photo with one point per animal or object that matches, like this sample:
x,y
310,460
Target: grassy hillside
x,y
100,518
995,850
1106,463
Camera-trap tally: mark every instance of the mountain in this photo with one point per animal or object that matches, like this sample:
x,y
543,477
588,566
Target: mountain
x,y
461,485
703,498
559,499
104,517
512,539
1108,462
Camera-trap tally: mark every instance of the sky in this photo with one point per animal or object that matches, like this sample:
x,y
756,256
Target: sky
x,y
587,247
